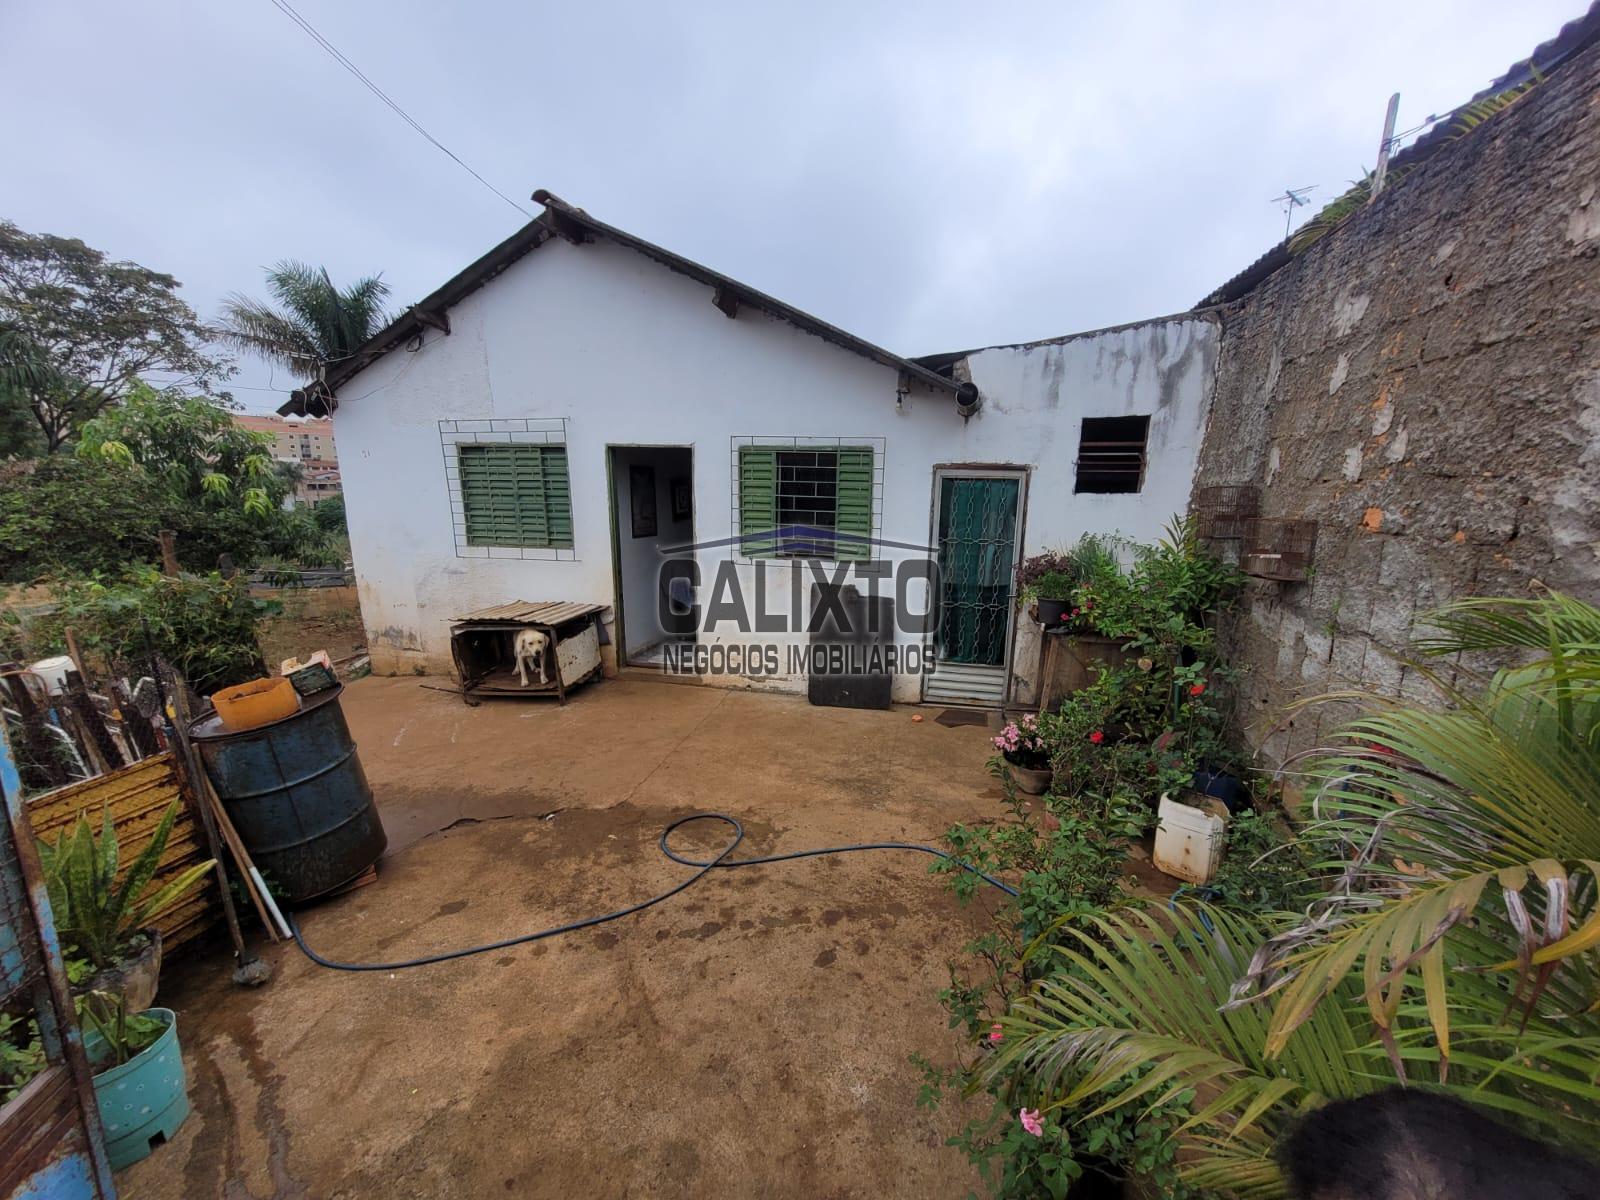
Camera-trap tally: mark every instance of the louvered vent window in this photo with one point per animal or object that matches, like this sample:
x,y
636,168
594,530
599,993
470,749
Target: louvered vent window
x,y
516,495
1111,454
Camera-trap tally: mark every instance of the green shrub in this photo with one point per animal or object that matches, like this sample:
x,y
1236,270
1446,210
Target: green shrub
x,y
93,914
204,625
66,515
1264,868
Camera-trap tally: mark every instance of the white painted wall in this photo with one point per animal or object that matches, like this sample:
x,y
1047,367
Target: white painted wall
x,y
629,352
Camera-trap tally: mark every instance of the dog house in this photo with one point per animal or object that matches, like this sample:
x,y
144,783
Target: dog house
x,y
481,644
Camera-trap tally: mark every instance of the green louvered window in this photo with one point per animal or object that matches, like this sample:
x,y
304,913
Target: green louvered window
x,y
810,487
516,495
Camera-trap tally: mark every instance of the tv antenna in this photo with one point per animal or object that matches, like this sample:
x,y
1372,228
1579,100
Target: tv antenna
x,y
1292,199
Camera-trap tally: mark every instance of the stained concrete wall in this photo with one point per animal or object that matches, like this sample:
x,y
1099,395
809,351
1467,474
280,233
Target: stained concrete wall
x,y
1035,398
1424,383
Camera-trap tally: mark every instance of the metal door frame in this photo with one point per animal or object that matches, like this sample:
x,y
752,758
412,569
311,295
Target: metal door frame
x,y
1021,474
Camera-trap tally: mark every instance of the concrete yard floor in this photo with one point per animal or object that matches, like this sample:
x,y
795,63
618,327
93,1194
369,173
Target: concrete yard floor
x,y
749,1038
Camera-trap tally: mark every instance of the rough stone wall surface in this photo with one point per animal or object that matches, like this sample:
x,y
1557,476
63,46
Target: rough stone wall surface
x,y
1425,384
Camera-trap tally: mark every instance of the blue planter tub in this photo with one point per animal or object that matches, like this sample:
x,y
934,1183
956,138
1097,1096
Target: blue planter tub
x,y
143,1101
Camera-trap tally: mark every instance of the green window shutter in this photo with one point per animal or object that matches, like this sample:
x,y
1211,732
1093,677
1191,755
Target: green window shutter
x,y
758,499
515,495
854,501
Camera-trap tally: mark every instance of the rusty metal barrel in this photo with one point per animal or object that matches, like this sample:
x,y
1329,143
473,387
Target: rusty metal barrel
x,y
296,792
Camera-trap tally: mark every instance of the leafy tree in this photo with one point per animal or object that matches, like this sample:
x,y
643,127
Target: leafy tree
x,y
22,366
329,515
19,432
204,625
69,515
192,445
98,324
314,324
160,460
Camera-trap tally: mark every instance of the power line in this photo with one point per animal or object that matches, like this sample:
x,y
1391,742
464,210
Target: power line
x,y
287,9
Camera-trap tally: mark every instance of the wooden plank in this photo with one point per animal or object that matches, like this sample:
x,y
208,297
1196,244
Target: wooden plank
x,y
138,795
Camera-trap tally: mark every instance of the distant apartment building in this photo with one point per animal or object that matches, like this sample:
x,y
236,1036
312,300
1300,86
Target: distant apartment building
x,y
307,443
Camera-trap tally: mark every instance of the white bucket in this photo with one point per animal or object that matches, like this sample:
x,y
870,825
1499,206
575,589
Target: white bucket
x,y
1188,841
54,672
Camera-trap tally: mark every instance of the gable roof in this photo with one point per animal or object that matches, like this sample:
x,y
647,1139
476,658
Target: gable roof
x,y
574,225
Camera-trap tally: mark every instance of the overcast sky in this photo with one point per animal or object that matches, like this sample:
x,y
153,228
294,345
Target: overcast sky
x,y
931,177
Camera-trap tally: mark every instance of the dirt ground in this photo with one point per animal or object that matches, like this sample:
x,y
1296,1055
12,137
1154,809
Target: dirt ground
x,y
749,1038
312,619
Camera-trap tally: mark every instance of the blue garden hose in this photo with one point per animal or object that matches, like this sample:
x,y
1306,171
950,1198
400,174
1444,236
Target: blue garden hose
x,y
1208,895
720,862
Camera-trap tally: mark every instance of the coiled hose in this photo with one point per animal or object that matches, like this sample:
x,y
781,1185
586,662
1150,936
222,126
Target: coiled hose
x,y
720,862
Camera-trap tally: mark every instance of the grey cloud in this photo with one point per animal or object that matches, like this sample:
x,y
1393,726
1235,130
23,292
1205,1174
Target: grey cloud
x,y
931,177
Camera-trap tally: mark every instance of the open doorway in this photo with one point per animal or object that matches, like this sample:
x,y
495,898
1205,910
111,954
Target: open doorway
x,y
652,509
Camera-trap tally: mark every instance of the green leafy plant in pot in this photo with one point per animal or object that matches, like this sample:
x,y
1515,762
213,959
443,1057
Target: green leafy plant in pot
x,y
139,1083
110,924
1053,580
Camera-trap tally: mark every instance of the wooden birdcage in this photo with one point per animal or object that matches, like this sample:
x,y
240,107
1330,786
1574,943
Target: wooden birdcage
x,y
1278,549
1220,512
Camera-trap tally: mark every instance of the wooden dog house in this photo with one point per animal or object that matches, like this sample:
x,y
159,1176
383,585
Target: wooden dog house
x,y
481,646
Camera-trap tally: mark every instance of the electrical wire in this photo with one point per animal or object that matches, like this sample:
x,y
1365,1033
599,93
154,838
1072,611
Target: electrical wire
x,y
288,10
720,862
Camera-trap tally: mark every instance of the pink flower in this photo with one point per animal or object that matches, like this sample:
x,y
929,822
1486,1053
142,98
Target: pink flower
x,y
1097,737
996,1034
1030,1120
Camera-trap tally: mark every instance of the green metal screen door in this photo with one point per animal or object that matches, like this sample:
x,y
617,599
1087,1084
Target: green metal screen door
x,y
977,540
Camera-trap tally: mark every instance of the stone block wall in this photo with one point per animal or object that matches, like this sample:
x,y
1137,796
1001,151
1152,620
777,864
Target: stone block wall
x,y
1425,384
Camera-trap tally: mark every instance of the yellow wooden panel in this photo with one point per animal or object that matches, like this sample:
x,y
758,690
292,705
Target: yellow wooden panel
x,y
138,795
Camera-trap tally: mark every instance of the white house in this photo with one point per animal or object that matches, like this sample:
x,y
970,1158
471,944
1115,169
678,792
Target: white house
x,y
542,426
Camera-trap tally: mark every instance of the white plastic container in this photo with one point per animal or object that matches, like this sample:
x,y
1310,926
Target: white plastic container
x,y
1188,841
54,672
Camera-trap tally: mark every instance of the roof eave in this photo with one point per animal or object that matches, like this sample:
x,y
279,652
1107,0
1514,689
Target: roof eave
x,y
563,220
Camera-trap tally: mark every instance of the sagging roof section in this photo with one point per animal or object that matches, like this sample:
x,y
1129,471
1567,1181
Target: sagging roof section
x,y
563,220
1574,37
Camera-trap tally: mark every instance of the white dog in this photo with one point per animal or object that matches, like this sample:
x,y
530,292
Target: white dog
x,y
529,647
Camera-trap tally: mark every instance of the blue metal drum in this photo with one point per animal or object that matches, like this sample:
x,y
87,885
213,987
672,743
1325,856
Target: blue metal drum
x,y
296,792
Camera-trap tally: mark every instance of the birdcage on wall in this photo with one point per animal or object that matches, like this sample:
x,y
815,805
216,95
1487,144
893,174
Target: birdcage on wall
x,y
1220,512
1272,548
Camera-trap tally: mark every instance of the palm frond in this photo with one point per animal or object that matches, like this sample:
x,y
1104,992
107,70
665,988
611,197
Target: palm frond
x,y
313,324
1142,992
252,326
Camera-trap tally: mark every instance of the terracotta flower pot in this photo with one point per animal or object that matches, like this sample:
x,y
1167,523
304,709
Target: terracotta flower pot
x,y
1030,781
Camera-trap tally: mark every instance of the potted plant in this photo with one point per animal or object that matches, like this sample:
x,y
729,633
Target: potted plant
x,y
1026,755
1044,581
1060,582
107,924
139,1083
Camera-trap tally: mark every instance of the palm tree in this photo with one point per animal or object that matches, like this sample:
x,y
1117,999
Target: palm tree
x,y
314,323
1459,945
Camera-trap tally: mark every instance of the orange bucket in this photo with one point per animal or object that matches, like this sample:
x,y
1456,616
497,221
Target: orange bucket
x,y
259,702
